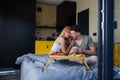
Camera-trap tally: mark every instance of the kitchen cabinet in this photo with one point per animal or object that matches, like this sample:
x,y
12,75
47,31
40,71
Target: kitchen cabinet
x,y
117,54
43,47
66,14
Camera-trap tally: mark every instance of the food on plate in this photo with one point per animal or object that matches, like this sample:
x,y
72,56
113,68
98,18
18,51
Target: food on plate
x,y
77,55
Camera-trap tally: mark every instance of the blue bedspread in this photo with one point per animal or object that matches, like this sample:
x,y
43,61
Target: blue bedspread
x,y
32,65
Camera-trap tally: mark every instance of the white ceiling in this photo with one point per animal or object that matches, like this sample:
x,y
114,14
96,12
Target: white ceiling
x,y
52,2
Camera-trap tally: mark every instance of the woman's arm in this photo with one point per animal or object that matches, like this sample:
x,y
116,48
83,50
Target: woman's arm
x,y
65,49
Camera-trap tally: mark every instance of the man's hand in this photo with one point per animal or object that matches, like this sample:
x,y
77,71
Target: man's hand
x,y
74,50
80,50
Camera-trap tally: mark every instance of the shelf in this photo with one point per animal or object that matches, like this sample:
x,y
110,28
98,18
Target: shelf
x,y
47,27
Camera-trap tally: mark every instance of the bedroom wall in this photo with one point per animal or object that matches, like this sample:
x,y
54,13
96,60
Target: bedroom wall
x,y
17,30
93,15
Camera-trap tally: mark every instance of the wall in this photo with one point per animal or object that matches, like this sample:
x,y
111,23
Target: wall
x,y
44,32
93,15
117,18
17,28
47,17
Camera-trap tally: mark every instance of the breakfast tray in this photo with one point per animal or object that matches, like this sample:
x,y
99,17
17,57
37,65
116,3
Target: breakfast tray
x,y
63,57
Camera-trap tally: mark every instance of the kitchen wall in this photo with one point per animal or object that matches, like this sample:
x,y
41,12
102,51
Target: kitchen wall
x,y
93,15
44,32
47,16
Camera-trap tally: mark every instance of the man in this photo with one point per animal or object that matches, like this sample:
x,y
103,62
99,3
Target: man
x,y
83,44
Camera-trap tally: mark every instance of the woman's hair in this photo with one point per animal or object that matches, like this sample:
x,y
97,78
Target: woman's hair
x,y
66,29
76,28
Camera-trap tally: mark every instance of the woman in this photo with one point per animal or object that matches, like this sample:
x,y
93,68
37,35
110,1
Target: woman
x,y
63,43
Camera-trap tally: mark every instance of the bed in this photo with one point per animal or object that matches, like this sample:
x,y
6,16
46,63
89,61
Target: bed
x,y
32,69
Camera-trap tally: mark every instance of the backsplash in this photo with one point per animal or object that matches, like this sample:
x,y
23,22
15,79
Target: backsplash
x,y
44,33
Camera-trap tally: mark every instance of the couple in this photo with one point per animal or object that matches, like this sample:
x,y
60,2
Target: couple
x,y
77,44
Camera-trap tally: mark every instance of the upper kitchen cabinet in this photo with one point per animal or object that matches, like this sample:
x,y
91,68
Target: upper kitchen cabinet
x,y
45,15
66,14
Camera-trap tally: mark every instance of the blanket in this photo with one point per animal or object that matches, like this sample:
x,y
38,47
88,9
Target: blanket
x,y
32,69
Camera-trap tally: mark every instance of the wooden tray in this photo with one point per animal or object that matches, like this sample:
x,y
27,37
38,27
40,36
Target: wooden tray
x,y
60,57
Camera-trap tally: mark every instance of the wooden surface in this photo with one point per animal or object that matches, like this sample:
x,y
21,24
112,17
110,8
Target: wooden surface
x,y
67,57
77,57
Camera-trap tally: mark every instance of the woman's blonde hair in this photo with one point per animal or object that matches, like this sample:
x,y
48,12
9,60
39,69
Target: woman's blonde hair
x,y
66,29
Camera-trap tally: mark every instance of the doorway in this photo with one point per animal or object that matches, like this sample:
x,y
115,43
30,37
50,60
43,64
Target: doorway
x,y
83,20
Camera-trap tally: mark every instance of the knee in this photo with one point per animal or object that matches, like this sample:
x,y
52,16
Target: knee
x,y
91,60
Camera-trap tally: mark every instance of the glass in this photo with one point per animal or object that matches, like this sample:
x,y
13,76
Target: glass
x,y
116,51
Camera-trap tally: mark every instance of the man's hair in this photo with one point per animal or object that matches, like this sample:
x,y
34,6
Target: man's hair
x,y
76,28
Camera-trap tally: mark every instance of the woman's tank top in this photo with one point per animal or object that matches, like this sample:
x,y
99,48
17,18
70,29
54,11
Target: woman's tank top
x,y
56,47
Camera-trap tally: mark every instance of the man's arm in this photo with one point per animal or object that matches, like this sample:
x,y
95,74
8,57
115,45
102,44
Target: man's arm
x,y
91,51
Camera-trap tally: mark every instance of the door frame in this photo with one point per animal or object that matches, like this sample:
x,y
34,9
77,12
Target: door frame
x,y
105,40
